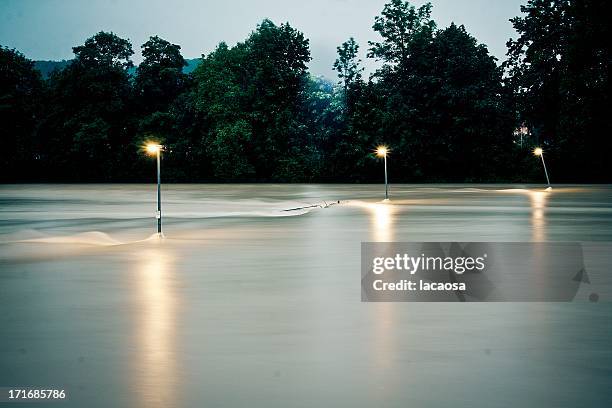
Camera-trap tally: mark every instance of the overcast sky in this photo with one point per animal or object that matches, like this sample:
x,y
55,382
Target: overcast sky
x,y
48,29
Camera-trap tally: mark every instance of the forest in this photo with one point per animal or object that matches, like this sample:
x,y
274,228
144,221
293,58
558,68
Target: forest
x,y
251,112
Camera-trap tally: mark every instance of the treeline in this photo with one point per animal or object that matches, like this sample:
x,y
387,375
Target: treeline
x,y
252,112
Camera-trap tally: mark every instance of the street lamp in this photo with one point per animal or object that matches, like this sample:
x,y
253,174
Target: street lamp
x,y
381,151
539,152
155,149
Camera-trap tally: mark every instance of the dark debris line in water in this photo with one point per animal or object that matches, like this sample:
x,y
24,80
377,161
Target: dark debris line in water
x,y
324,205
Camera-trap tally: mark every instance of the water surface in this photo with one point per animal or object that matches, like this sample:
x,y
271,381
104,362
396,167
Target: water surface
x,y
246,304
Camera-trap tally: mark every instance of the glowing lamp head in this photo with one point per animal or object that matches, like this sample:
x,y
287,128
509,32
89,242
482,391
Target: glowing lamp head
x,y
153,148
538,151
381,151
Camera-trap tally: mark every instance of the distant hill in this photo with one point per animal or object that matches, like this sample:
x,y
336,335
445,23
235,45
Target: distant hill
x,y
47,67
191,64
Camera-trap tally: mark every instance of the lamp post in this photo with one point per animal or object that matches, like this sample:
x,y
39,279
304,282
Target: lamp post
x,y
155,149
539,152
381,151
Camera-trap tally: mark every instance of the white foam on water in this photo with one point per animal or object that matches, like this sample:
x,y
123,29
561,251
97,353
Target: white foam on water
x,y
22,235
513,190
176,209
84,238
469,190
99,238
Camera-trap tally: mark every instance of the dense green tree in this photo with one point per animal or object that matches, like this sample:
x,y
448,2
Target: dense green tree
x,y
254,91
400,25
559,67
251,112
158,83
219,99
276,73
437,100
87,128
21,91
464,109
159,77
104,51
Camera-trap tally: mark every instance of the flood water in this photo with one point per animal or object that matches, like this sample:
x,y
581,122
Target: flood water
x,y
246,304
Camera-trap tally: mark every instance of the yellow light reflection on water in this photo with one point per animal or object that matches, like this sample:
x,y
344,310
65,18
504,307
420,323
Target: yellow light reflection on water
x,y
155,360
382,222
537,200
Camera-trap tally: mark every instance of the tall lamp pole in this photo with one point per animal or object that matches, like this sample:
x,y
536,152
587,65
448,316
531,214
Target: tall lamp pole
x,y
155,149
539,152
381,151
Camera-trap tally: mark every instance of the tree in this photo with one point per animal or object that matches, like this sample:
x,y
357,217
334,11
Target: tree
x,y
347,64
160,106
558,68
254,91
88,129
104,50
252,112
21,92
400,24
159,77
438,99
465,110
345,148
277,58
219,101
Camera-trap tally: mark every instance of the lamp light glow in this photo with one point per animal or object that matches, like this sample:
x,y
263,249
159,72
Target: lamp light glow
x,y
381,151
153,148
538,151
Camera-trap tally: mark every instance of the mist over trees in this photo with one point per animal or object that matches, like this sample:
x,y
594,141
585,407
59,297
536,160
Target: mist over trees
x,y
252,112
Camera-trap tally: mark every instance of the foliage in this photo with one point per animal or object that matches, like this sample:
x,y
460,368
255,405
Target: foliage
x,y
348,63
84,131
106,51
160,77
21,92
254,91
252,112
400,25
437,100
559,71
